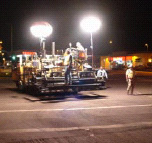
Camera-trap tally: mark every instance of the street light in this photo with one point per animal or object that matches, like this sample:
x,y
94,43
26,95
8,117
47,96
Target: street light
x,y
110,42
146,46
91,24
41,30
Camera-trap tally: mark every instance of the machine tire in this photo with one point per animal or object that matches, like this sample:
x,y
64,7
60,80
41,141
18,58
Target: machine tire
x,y
35,91
20,86
28,89
75,90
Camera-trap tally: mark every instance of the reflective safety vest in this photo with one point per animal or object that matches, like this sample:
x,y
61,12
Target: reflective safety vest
x,y
130,73
68,60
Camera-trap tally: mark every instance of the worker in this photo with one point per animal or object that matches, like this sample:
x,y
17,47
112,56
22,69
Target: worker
x,y
79,46
68,67
130,78
101,73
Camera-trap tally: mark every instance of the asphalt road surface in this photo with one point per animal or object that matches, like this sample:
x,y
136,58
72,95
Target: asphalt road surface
x,y
97,116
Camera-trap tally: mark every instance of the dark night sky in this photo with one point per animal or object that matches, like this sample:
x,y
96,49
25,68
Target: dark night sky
x,y
128,23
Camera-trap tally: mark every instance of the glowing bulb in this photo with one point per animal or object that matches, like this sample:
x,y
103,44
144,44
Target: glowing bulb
x,y
41,29
90,24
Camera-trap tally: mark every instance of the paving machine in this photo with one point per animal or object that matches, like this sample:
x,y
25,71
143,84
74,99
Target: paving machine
x,y
37,75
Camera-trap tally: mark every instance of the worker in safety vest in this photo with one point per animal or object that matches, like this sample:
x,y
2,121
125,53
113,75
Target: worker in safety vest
x,y
130,78
101,73
68,67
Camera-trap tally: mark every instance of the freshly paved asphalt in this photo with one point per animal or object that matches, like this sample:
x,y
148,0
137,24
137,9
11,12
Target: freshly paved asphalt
x,y
98,116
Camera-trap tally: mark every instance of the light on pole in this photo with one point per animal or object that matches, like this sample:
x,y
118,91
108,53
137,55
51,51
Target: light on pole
x,y
146,46
41,30
91,24
110,41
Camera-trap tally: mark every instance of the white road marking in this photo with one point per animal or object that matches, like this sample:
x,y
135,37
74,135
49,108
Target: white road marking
x,y
114,126
75,109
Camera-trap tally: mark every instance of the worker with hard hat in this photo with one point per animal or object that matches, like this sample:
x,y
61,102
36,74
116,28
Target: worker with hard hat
x,y
130,78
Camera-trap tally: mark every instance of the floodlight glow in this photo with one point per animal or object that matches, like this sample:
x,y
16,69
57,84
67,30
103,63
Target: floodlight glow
x,y
90,24
41,29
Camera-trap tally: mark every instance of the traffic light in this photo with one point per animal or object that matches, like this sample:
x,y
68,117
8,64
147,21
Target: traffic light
x,y
13,57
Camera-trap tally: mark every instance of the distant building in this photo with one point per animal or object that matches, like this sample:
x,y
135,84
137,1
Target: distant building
x,y
119,60
3,55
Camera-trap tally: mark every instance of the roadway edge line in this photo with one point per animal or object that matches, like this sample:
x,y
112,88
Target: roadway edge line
x,y
113,126
74,109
